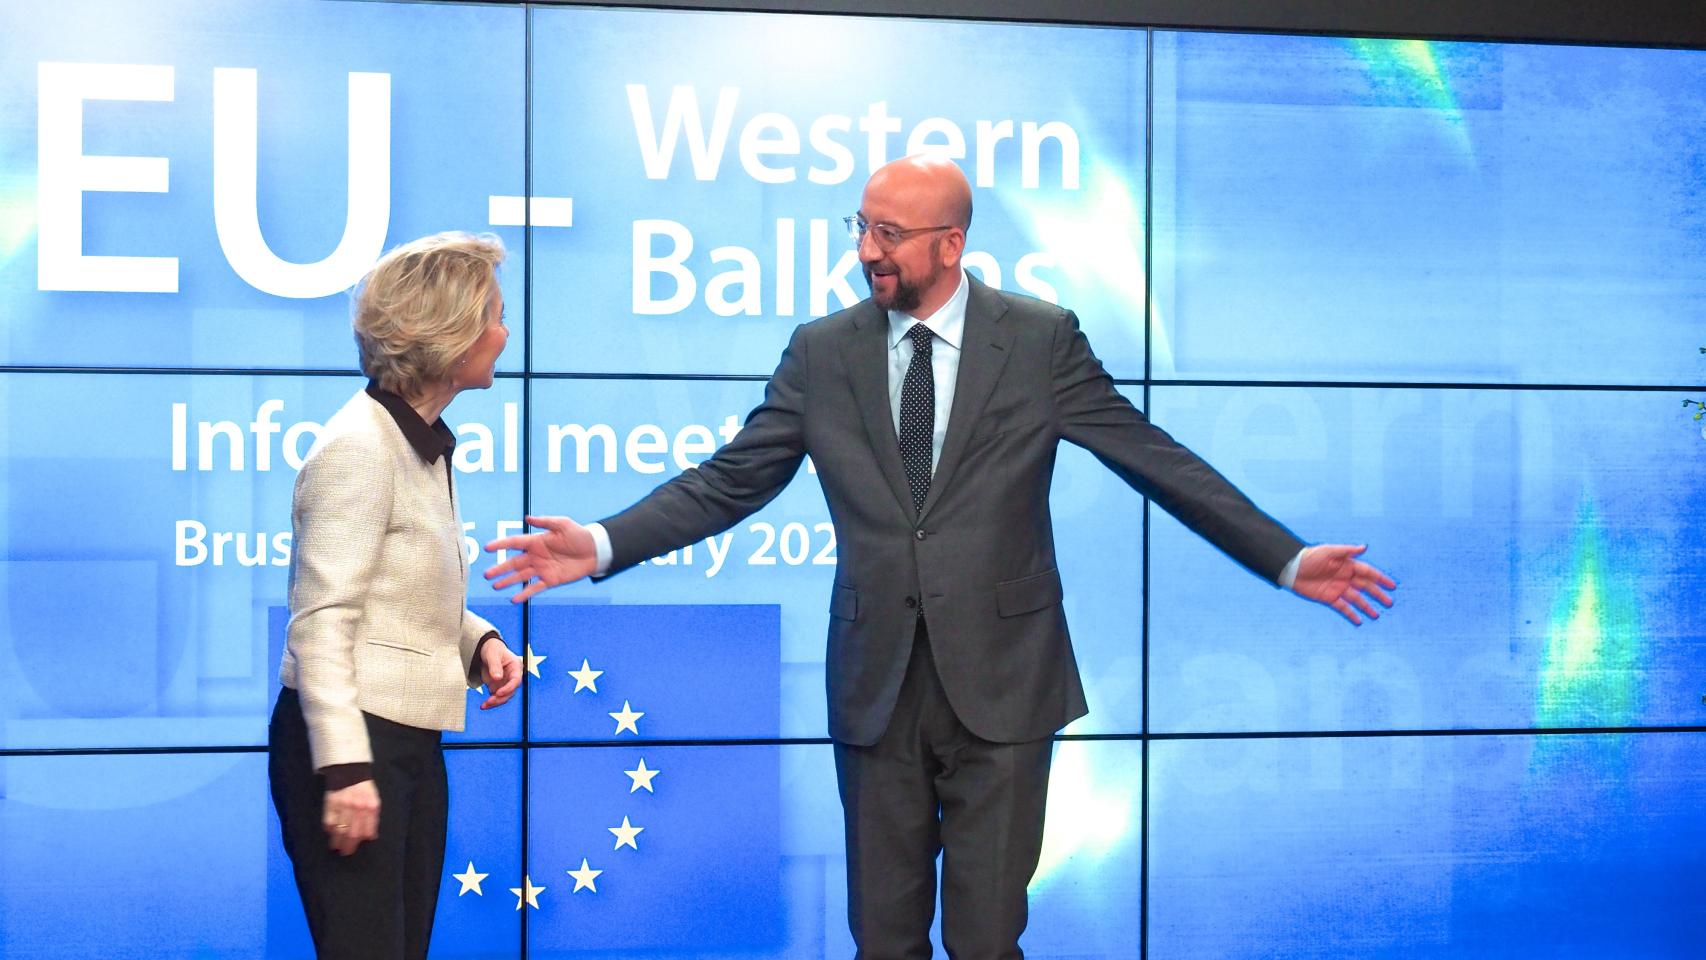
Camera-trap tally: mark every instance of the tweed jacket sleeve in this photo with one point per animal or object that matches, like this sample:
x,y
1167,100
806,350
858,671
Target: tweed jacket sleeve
x,y
341,507
474,627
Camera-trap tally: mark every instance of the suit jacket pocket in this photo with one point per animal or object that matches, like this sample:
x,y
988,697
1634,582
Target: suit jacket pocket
x,y
1007,410
394,644
992,428
1028,594
844,603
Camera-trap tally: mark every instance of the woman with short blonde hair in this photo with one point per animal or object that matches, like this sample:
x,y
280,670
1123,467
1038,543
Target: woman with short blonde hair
x,y
381,648
422,306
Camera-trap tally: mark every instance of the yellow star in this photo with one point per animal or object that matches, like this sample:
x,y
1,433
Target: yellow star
x,y
625,719
533,663
625,834
584,877
526,893
641,777
586,678
471,880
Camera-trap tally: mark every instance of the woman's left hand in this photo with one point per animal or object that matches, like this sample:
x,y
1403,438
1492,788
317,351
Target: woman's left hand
x,y
502,672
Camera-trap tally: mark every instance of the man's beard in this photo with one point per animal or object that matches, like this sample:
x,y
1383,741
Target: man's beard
x,y
906,296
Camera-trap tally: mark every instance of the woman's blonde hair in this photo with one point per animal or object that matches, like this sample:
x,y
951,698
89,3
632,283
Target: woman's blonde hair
x,y
422,306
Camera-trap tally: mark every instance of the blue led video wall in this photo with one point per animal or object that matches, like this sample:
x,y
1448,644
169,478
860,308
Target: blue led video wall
x,y
1442,298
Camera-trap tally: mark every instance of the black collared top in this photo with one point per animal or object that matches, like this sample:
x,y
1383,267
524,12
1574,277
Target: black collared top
x,y
431,442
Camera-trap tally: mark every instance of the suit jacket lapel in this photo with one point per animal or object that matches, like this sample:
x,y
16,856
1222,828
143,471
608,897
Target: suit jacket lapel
x,y
868,371
983,353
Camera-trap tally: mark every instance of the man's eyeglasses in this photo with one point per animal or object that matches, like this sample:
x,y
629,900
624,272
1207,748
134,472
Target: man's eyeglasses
x,y
887,235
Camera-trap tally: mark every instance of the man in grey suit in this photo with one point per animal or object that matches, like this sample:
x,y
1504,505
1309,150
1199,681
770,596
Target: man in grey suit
x,y
932,412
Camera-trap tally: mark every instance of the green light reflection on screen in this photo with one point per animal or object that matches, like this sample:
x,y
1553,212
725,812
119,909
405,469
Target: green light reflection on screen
x,y
1411,71
1589,673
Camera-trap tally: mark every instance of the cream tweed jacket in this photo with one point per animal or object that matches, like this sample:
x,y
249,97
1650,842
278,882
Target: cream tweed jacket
x,y
378,619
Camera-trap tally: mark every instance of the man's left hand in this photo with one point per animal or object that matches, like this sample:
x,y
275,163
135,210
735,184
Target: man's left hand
x,y
1332,574
502,672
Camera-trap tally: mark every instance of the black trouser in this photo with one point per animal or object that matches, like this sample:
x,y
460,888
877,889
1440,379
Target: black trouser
x,y
928,786
379,901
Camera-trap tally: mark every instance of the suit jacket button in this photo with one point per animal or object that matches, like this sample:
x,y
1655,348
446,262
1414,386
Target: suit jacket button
x,y
911,602
919,534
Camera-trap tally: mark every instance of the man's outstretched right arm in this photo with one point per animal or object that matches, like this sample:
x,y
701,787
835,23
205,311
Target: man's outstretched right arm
x,y
747,473
563,553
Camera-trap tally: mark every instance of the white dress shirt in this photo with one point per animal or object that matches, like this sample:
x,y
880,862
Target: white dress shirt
x,y
948,323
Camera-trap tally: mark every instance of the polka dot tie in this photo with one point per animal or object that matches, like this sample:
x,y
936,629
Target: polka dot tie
x,y
918,415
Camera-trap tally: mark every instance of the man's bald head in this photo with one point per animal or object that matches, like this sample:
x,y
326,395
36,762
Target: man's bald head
x,y
922,206
929,184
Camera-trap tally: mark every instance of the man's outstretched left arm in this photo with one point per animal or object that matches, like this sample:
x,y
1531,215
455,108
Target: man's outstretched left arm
x,y
1094,415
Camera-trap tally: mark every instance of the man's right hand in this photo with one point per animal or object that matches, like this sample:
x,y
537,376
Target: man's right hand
x,y
563,553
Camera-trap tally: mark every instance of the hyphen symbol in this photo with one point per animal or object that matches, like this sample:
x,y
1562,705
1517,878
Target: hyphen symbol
x,y
545,211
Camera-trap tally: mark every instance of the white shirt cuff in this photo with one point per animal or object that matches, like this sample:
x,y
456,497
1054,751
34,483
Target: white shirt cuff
x,y
601,549
1288,576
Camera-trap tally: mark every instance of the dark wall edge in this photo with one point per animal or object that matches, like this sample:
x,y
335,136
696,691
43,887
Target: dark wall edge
x,y
1662,23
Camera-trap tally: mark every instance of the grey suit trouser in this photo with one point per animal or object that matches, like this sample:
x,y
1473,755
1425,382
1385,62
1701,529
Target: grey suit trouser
x,y
930,786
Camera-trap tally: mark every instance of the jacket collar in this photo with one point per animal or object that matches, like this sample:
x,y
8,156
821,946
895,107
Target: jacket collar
x,y
431,442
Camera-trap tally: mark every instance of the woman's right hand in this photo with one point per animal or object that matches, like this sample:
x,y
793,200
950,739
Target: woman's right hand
x,y
351,816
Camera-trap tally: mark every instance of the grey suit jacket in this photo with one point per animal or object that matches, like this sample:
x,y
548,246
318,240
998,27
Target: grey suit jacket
x,y
979,557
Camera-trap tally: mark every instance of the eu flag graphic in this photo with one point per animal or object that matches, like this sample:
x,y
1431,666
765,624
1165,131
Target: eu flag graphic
x,y
689,672
667,850
671,850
